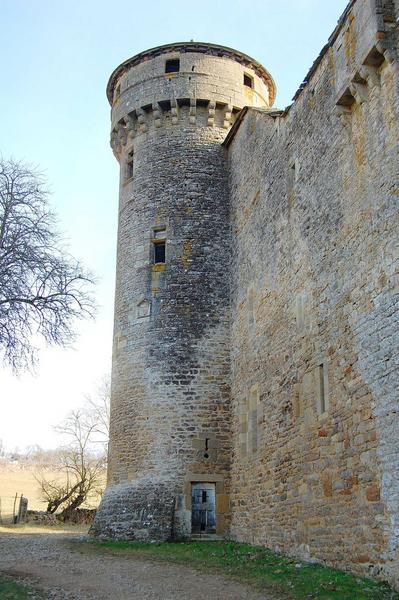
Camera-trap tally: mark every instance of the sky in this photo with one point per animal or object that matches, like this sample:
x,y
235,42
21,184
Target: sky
x,y
56,57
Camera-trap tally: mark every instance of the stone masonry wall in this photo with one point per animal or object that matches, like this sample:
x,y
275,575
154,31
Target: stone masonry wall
x,y
170,399
314,208
171,362
261,356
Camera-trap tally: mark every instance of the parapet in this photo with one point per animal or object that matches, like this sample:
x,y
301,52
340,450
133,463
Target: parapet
x,y
192,74
155,57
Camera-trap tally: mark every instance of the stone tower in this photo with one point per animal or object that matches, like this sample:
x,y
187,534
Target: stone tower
x,y
170,441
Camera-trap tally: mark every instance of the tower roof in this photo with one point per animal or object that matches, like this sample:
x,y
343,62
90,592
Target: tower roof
x,y
201,47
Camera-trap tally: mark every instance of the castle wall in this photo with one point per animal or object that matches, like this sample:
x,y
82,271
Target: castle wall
x,y
260,357
314,196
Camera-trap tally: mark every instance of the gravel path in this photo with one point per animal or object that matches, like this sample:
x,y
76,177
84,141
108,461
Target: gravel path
x,y
48,561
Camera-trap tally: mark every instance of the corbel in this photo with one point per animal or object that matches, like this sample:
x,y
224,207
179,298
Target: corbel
x,y
141,119
370,75
227,116
115,144
211,113
129,122
343,113
193,110
385,50
174,111
121,132
157,114
359,92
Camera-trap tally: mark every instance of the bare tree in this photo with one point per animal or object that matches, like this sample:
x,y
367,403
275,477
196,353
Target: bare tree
x,y
82,459
100,406
42,288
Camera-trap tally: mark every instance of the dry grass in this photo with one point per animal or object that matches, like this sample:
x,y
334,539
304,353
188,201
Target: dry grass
x,y
20,479
15,479
34,527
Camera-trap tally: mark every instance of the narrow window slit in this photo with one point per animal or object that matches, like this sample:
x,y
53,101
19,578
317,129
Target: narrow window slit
x,y
159,251
129,166
206,452
322,388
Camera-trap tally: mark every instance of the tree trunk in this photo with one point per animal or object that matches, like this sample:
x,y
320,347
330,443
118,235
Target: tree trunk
x,y
56,503
65,515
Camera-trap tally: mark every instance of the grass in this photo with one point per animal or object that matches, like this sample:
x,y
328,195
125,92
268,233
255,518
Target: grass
x,y
256,566
13,590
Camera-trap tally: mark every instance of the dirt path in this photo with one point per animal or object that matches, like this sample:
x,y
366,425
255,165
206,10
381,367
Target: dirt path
x,y
49,561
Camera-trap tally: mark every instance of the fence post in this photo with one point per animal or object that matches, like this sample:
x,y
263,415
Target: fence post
x,y
23,508
13,510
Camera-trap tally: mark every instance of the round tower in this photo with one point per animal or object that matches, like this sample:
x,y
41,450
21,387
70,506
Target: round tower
x,y
169,451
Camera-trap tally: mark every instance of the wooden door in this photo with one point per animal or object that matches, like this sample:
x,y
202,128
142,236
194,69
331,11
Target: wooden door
x,y
203,518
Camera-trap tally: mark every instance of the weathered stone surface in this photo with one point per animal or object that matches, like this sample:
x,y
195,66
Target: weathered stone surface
x,y
170,409
142,510
314,210
270,335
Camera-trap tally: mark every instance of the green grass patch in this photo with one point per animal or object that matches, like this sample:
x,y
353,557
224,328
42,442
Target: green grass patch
x,y
13,590
254,565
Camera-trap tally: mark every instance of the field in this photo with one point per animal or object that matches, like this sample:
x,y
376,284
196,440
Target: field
x,y
20,479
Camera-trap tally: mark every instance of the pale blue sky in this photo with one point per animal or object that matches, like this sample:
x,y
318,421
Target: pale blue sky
x,y
56,57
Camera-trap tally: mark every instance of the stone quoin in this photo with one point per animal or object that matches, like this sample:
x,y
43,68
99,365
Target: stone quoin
x,y
255,358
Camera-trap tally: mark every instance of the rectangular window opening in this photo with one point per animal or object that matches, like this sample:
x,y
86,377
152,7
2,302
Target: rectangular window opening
x,y
322,390
159,251
129,166
251,306
254,431
253,418
172,65
248,80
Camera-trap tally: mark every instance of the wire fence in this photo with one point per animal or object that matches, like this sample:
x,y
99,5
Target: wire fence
x,y
13,509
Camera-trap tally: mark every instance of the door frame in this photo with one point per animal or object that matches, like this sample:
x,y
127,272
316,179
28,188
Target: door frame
x,y
222,500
